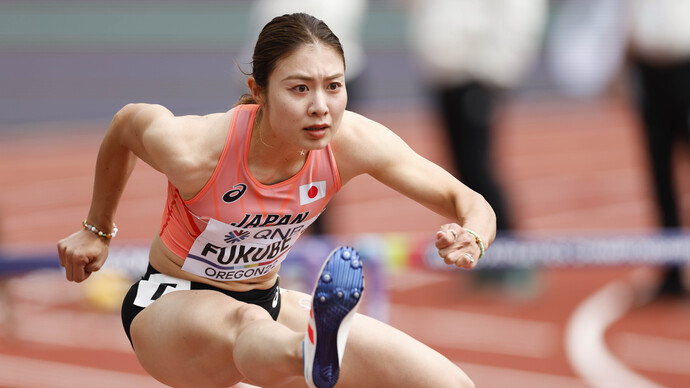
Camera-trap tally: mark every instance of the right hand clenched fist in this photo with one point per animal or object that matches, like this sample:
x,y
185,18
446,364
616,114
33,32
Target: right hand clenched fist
x,y
81,254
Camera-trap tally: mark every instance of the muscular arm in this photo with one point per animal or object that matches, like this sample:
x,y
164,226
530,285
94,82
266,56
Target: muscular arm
x,y
365,146
84,252
131,136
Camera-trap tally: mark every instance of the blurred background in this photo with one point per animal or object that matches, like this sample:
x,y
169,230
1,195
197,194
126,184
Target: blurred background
x,y
570,116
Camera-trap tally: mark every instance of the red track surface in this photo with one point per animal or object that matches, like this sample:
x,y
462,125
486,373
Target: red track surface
x,y
566,167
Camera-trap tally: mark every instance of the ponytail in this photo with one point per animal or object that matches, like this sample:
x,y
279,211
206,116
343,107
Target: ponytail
x,y
246,99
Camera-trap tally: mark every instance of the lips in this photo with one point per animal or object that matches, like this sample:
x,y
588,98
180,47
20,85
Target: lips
x,y
317,132
317,127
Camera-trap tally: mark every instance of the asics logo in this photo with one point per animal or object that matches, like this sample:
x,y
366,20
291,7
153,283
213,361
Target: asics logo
x,y
275,299
235,194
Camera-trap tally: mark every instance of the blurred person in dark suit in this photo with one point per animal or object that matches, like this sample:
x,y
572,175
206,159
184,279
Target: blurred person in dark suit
x,y
591,41
470,54
659,53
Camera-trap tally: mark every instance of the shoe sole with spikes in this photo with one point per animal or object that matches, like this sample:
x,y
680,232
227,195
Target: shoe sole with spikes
x,y
336,296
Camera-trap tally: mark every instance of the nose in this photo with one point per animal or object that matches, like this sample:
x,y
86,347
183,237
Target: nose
x,y
319,105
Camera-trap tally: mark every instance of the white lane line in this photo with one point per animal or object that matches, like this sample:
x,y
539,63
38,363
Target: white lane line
x,y
481,332
31,373
491,376
585,345
653,353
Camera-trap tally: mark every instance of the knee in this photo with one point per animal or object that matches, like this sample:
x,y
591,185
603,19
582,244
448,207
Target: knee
x,y
247,314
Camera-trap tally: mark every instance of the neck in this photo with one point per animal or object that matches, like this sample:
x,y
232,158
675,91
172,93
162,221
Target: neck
x,y
270,160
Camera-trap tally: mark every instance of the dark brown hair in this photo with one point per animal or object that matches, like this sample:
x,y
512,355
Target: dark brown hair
x,y
281,37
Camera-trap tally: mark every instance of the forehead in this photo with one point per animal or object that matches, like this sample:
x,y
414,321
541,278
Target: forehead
x,y
314,59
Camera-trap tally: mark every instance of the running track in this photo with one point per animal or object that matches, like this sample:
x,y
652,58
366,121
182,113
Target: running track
x,y
568,167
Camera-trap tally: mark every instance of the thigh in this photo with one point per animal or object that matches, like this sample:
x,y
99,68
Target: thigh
x,y
378,355
185,338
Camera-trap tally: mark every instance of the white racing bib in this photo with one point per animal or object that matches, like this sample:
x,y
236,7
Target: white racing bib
x,y
229,253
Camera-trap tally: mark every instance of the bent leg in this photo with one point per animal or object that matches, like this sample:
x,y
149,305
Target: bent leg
x,y
202,338
378,355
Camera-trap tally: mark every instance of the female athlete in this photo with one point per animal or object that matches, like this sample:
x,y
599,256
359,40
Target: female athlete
x,y
243,185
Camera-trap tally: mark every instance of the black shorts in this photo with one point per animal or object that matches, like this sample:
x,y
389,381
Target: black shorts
x,y
154,284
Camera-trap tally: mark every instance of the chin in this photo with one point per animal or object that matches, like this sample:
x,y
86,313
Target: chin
x,y
318,145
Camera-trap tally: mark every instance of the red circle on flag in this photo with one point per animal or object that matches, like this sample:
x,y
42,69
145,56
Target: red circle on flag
x,y
313,191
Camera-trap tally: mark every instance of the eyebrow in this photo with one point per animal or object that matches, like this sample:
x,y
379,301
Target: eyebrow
x,y
308,78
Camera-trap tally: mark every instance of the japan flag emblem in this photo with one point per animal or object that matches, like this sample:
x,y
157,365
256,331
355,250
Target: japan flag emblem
x,y
312,192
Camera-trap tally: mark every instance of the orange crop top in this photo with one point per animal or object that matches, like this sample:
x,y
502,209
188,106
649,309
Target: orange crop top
x,y
236,222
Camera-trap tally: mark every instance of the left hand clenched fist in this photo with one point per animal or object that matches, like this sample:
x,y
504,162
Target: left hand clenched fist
x,y
457,246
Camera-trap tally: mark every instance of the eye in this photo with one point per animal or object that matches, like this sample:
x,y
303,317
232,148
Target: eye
x,y
334,86
300,88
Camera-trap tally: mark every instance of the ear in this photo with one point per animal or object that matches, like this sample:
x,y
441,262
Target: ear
x,y
256,90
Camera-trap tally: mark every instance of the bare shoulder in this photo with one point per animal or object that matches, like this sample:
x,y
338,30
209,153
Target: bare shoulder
x,y
185,148
198,145
156,120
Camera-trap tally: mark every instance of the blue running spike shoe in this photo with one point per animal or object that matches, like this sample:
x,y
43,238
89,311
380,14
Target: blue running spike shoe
x,y
336,296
